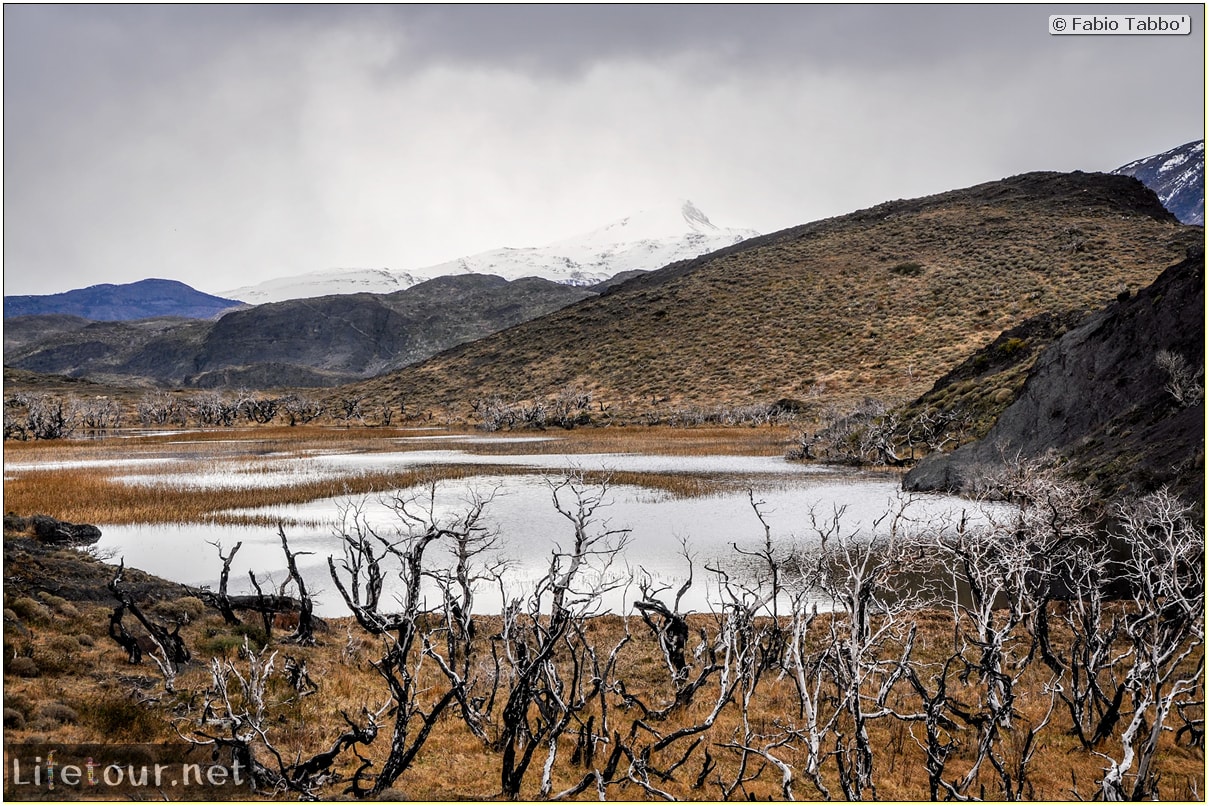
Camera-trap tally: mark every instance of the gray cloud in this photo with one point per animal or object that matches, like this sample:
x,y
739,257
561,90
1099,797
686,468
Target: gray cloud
x,y
221,145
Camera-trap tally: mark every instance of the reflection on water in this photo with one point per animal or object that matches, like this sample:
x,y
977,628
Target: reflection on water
x,y
278,471
530,528
131,461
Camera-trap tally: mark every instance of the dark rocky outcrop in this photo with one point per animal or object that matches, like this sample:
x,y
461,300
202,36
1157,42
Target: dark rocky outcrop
x,y
56,532
966,401
32,567
1099,397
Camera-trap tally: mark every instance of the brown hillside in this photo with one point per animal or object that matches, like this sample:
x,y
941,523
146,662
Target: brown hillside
x,y
881,301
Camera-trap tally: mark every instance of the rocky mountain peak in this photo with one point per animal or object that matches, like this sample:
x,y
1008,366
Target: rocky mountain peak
x,y
1177,177
694,217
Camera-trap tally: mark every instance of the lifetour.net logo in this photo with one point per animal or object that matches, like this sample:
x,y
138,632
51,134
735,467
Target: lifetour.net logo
x,y
121,771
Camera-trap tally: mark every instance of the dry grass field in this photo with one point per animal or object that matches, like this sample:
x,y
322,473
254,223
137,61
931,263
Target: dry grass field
x,y
84,691
743,732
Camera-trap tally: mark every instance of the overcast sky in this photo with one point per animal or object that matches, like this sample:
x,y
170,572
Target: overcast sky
x,y
224,145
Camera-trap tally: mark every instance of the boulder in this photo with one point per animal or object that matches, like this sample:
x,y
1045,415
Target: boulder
x,y
54,531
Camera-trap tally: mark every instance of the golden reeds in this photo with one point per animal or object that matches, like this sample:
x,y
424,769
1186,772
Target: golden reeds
x,y
95,493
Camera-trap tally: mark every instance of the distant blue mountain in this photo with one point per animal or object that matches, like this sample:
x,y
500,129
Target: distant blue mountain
x,y
119,303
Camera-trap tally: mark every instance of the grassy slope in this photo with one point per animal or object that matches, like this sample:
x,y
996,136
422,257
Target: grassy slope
x,y
835,306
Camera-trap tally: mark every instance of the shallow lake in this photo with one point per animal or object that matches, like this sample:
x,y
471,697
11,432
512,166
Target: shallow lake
x,y
521,511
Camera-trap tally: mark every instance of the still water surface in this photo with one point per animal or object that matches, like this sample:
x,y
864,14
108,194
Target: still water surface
x,y
521,510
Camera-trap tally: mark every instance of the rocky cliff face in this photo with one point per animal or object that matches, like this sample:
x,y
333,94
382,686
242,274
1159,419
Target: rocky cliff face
x,y
1118,397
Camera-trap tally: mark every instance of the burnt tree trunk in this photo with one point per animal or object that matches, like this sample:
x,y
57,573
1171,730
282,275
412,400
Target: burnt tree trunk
x,y
304,634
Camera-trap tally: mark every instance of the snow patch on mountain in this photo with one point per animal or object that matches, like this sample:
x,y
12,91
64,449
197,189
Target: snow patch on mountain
x,y
644,241
325,283
1177,177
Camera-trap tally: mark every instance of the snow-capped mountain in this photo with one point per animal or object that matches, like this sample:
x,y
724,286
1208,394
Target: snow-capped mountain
x,y
326,283
647,240
1177,177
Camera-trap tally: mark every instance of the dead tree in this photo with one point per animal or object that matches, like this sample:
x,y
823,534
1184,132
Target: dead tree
x,y
749,743
349,408
298,677
299,409
571,407
1165,628
864,435
989,643
575,678
671,630
1051,520
264,605
1093,690
804,664
220,600
304,633
161,408
237,718
53,417
272,606
733,657
100,414
170,650
859,579
213,409
260,409
646,745
936,429
930,683
128,642
1184,380
542,697
1002,574
752,603
269,606
472,545
360,577
807,655
750,641
672,634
